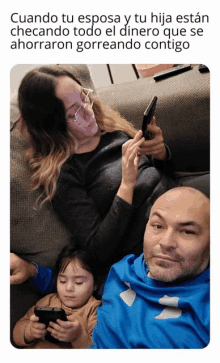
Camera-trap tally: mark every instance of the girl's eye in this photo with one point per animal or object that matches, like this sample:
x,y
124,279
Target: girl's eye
x,y
78,283
62,281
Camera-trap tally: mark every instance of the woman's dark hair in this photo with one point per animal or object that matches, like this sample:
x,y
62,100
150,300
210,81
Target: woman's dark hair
x,y
42,111
43,121
85,260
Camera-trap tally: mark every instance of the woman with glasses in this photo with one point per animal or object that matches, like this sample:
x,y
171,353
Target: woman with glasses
x,y
96,169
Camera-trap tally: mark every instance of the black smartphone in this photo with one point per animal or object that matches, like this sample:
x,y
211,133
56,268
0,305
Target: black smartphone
x,y
46,315
148,114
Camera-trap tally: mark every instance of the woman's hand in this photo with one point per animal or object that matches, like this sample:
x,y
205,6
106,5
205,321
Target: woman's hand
x,y
35,330
64,331
130,161
154,147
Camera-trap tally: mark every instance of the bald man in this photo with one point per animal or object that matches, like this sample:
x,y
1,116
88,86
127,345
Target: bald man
x,y
161,298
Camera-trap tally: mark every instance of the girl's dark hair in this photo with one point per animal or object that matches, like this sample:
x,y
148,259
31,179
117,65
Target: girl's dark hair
x,y
69,254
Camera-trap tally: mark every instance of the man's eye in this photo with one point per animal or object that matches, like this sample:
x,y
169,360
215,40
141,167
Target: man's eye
x,y
189,231
157,226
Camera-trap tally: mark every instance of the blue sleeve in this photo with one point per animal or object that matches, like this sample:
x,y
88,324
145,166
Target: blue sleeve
x,y
43,282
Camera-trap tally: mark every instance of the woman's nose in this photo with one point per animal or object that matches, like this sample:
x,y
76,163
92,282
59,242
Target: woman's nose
x,y
88,109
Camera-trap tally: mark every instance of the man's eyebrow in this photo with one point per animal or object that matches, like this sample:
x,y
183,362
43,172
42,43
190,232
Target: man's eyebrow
x,y
157,214
191,223
182,224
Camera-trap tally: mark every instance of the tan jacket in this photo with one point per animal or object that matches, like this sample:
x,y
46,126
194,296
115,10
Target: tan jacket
x,y
86,316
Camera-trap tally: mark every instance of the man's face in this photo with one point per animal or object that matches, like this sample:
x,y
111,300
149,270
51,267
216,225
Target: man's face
x,y
176,240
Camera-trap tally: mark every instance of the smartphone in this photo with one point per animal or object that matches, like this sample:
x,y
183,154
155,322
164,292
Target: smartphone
x,y
148,114
46,315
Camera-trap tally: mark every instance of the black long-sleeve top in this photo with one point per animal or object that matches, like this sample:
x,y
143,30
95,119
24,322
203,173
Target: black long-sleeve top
x,y
101,222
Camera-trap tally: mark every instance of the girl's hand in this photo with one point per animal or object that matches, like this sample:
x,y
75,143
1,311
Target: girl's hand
x,y
130,159
154,147
64,331
35,330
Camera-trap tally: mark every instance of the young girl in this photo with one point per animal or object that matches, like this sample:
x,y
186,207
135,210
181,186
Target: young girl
x,y
75,274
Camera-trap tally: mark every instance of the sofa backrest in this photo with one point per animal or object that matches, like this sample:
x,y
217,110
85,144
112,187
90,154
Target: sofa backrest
x,y
183,112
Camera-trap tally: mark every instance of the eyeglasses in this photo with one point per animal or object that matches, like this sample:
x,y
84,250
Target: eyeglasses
x,y
83,112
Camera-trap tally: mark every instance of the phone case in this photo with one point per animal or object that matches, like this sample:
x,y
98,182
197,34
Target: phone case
x,y
50,314
148,114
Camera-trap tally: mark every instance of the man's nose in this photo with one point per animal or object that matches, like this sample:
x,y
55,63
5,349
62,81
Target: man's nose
x,y
169,239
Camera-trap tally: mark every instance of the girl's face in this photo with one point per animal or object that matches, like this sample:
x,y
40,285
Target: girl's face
x,y
75,285
80,117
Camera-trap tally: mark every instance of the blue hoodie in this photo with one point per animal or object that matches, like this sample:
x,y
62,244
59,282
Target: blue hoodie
x,y
139,312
